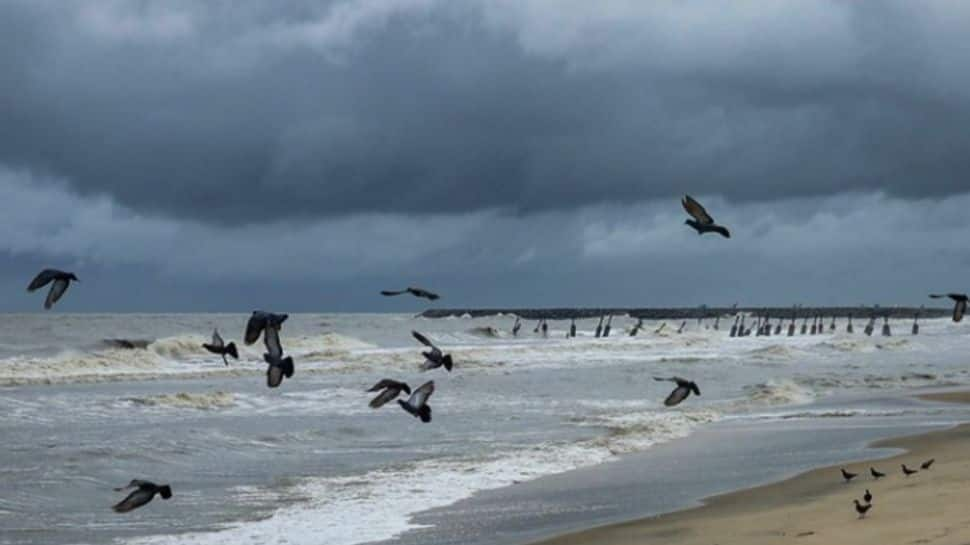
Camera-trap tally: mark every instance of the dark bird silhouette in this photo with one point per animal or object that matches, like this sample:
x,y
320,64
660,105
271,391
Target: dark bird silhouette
x,y
928,464
682,325
608,326
636,327
144,492
907,471
545,328
681,392
417,292
959,306
734,328
417,404
218,346
572,328
702,222
434,358
599,328
389,389
916,321
886,332
862,509
876,474
868,496
61,280
279,366
516,327
538,325
848,476
849,328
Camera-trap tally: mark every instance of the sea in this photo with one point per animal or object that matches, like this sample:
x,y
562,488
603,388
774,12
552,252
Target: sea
x,y
531,435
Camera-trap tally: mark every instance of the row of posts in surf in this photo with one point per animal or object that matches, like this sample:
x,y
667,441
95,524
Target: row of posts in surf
x,y
762,327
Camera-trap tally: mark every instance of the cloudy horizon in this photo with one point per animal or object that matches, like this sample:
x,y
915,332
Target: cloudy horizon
x,y
302,156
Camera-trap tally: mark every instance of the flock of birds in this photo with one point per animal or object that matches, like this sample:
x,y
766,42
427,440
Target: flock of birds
x,y
269,324
863,507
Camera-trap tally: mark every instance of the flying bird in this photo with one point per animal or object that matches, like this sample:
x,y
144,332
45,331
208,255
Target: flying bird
x,y
927,464
61,280
218,346
876,474
681,392
144,492
417,404
389,389
434,358
702,222
258,322
279,366
959,307
848,476
417,292
862,509
907,471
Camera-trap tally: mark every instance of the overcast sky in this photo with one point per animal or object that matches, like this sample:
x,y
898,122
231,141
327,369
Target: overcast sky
x,y
302,155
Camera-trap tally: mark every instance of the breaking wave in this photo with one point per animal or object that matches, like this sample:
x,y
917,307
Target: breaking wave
x,y
184,400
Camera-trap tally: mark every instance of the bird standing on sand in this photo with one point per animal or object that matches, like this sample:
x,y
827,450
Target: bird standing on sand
x,y
848,476
907,471
702,222
868,496
876,474
681,392
959,306
927,464
61,280
417,292
144,492
434,358
218,346
862,509
417,403
389,389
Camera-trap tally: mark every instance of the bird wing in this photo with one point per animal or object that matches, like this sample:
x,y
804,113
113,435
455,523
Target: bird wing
x,y
254,327
217,339
389,293
422,339
42,279
419,292
665,379
134,500
696,211
271,337
387,395
420,396
57,290
679,394
384,383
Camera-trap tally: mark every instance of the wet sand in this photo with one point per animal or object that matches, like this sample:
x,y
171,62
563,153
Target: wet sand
x,y
816,507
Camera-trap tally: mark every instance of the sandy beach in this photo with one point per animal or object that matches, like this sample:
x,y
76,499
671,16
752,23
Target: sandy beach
x,y
816,506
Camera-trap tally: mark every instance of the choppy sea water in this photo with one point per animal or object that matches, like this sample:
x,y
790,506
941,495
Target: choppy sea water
x,y
311,463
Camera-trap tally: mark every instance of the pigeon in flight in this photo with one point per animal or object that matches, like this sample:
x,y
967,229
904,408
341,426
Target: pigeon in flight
x,y
144,492
702,222
434,358
417,404
417,292
389,389
61,280
959,308
680,393
218,346
279,366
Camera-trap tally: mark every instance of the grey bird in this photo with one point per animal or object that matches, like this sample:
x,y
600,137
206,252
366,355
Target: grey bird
x,y
61,280
389,389
144,492
681,392
219,346
702,222
417,403
959,306
417,292
434,358
279,366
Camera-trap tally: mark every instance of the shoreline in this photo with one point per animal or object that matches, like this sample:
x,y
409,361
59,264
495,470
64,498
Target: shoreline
x,y
815,506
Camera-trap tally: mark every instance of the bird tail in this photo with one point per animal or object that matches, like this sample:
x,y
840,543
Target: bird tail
x,y
447,361
231,350
165,492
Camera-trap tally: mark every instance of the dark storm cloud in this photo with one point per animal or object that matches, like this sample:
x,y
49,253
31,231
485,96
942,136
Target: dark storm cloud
x,y
245,112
